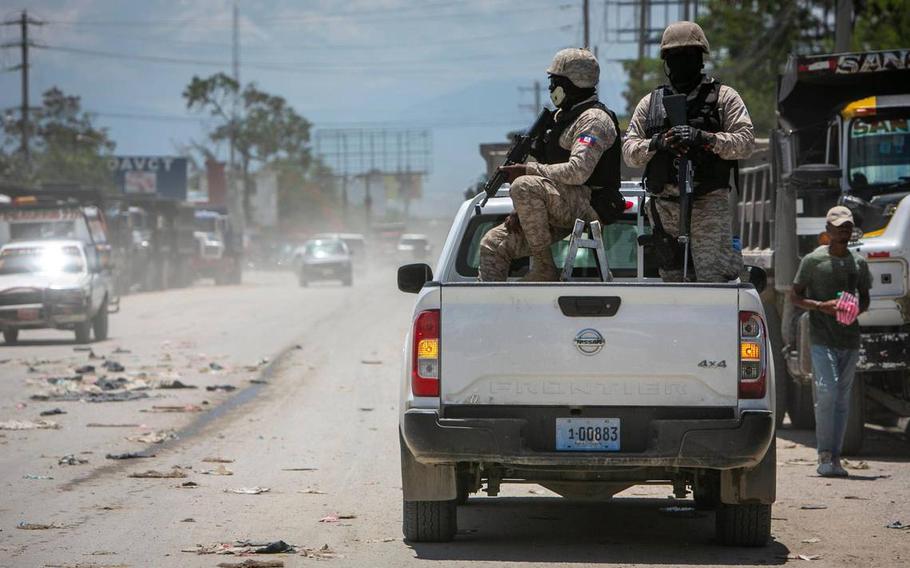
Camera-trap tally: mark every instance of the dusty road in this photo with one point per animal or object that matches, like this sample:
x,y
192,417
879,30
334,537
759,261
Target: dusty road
x,y
317,427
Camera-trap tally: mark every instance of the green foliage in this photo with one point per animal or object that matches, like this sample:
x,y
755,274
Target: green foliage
x,y
264,130
882,24
644,76
66,148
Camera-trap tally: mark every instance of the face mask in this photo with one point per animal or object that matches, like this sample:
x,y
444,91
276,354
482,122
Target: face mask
x,y
558,96
684,70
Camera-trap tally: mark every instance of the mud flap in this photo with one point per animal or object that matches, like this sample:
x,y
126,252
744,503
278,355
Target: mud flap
x,y
421,482
751,485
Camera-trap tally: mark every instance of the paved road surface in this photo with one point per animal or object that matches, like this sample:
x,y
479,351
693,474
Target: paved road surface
x,y
318,428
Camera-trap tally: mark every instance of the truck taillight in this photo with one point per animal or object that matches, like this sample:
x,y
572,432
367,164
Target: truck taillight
x,y
425,357
752,356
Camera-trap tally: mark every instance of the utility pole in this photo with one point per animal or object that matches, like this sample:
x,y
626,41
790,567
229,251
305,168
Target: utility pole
x,y
586,7
537,89
843,27
24,22
237,210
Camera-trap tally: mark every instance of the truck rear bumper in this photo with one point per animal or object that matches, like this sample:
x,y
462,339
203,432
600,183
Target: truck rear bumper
x,y
699,443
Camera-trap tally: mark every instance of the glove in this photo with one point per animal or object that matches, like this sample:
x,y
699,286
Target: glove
x,y
658,142
689,136
514,171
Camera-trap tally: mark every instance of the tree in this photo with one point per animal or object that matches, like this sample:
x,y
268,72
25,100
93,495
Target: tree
x,y
265,128
65,146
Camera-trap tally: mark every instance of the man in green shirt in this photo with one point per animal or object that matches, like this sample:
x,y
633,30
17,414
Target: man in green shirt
x,y
833,284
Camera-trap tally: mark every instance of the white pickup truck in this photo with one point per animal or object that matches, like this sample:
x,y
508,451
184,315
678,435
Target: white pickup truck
x,y
584,387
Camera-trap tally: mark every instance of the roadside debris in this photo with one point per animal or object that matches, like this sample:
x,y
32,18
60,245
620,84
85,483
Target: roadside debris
x,y
311,491
99,425
39,477
175,408
336,517
855,465
248,490
85,370
225,388
120,350
156,437
800,461
53,412
857,498
812,540
897,525
175,384
252,564
74,396
129,456
188,485
188,520
71,459
29,425
220,470
38,526
217,460
113,366
175,473
216,366
300,469
803,557
813,507
244,547
366,409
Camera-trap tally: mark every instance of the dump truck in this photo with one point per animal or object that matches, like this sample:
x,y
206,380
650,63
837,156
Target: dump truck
x,y
842,139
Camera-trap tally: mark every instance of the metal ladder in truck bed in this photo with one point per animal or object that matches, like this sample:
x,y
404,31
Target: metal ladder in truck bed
x,y
594,241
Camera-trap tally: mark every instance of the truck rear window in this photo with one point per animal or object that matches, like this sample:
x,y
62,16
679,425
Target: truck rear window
x,y
620,245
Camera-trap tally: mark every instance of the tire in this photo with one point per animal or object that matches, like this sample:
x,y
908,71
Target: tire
x,y
856,423
84,332
100,322
429,521
743,525
800,405
11,336
780,363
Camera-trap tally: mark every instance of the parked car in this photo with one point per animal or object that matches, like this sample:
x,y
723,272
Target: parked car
x,y
325,259
57,284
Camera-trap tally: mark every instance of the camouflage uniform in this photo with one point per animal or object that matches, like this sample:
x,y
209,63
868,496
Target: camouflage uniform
x,y
550,197
711,233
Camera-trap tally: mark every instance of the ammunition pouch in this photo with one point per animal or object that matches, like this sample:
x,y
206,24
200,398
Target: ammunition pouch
x,y
666,250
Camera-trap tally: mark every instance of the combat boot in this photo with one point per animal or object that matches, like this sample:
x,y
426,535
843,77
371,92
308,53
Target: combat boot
x,y
543,269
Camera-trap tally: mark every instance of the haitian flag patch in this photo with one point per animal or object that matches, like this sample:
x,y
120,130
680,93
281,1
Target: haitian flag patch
x,y
587,139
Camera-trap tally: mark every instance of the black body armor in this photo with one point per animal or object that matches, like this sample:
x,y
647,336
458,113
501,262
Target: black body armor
x,y
710,170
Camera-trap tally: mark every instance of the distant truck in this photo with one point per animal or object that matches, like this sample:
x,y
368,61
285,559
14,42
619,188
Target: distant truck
x,y
585,387
219,252
842,138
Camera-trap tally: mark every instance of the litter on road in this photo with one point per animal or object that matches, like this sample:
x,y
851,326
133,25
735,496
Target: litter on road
x,y
220,470
217,460
71,459
897,525
29,425
336,517
248,490
188,485
53,412
244,547
99,425
310,491
248,563
157,437
129,456
174,408
154,474
38,526
224,388
39,477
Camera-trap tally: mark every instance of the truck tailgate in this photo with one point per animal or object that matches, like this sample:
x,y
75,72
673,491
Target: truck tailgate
x,y
662,345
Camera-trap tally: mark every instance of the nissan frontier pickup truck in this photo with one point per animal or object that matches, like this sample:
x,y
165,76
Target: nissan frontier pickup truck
x,y
584,387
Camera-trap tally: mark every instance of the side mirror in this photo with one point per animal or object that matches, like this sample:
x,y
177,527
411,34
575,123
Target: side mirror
x,y
757,277
412,277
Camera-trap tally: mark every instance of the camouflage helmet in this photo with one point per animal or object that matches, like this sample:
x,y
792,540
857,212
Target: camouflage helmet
x,y
683,34
577,65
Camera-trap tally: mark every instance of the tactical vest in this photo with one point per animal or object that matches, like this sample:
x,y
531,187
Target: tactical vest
x,y
710,171
606,173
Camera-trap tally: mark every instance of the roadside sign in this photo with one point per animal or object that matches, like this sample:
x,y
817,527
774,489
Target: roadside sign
x,y
162,175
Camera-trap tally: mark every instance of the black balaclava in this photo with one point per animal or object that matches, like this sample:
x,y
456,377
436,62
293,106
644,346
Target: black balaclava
x,y
564,93
683,67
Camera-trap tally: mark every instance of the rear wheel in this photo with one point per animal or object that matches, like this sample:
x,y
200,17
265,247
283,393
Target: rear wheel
x,y
100,322
429,521
856,423
743,525
800,404
10,336
84,331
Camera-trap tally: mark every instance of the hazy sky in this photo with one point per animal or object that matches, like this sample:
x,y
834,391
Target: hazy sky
x,y
452,65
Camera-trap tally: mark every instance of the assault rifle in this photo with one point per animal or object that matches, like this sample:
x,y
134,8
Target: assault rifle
x,y
517,154
675,105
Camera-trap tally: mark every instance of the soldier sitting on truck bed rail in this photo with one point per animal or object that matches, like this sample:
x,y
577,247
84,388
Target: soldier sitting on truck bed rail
x,y
719,132
579,155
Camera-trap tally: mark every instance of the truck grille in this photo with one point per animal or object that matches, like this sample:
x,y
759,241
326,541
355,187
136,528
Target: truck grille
x,y
17,297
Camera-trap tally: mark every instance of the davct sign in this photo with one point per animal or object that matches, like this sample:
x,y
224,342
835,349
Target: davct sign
x,y
161,175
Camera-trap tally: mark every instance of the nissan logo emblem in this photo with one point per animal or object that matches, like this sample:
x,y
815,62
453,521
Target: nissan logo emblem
x,y
589,341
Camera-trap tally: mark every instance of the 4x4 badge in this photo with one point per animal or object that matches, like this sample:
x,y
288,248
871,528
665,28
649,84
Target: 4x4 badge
x,y
713,364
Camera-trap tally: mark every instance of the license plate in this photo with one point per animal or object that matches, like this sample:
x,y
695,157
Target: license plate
x,y
587,434
27,314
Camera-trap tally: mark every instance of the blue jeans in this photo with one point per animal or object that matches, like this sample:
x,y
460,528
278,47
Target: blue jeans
x,y
833,371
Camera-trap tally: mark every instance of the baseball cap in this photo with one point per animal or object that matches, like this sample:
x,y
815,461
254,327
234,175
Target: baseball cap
x,y
839,215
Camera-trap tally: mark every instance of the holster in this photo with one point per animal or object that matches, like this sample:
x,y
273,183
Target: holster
x,y
666,249
609,204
